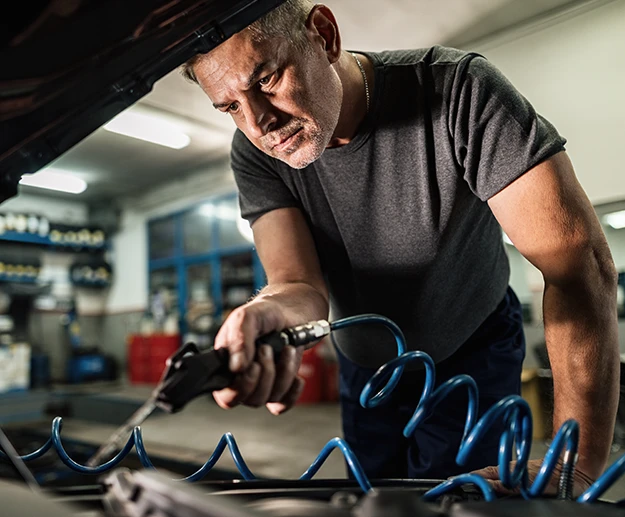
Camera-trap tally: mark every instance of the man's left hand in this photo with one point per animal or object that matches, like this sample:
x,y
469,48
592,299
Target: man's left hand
x,y
580,480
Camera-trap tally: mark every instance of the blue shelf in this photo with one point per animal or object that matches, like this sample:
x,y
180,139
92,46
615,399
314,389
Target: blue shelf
x,y
33,238
16,279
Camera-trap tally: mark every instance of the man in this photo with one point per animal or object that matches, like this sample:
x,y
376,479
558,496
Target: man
x,y
379,183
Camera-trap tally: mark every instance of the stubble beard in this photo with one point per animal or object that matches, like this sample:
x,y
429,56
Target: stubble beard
x,y
315,137
316,132
310,150
309,144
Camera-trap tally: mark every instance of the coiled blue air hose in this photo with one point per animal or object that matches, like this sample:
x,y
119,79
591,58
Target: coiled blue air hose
x,y
513,410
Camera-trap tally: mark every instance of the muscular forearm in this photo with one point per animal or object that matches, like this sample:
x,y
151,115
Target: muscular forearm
x,y
581,332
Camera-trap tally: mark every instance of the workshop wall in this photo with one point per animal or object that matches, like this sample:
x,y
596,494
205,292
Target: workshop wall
x,y
570,67
616,240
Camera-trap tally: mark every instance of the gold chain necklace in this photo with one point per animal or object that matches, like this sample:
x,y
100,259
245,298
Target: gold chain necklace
x,y
364,76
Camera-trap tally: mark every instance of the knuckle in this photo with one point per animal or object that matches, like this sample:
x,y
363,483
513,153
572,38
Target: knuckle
x,y
246,389
282,384
265,355
232,331
289,363
249,381
238,314
252,373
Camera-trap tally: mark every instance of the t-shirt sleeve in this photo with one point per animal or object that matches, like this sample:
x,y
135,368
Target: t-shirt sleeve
x,y
497,134
261,189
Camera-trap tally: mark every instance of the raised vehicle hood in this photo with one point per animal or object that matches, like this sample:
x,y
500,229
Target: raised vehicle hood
x,y
69,66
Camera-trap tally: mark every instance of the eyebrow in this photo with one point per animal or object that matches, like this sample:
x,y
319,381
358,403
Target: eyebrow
x,y
253,77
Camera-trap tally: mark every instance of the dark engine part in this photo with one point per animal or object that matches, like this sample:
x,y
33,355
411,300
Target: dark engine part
x,y
538,508
126,493
299,508
147,493
386,502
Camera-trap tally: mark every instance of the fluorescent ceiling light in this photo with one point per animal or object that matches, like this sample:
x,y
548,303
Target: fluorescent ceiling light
x,y
616,219
55,179
149,128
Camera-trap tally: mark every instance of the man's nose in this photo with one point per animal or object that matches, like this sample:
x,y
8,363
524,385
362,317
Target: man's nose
x,y
261,117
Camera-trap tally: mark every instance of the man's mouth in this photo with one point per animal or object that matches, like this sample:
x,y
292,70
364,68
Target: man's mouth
x,y
286,142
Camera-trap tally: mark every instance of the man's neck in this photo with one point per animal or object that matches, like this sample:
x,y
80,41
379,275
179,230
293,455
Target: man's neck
x,y
354,107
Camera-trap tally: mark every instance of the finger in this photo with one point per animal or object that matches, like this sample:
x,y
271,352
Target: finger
x,y
231,336
226,398
238,334
498,487
583,481
261,393
488,473
243,385
289,400
286,370
251,328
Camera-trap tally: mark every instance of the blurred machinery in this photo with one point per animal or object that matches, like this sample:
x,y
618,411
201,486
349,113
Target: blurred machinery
x,y
84,363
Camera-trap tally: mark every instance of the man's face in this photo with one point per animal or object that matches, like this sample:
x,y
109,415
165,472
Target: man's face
x,y
285,101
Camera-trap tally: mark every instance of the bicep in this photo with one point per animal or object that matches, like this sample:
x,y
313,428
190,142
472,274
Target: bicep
x,y
550,220
286,249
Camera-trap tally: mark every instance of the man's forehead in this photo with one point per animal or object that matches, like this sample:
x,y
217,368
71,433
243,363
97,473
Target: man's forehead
x,y
237,58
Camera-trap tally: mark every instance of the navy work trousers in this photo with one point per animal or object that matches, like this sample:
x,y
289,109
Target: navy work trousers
x,y
493,356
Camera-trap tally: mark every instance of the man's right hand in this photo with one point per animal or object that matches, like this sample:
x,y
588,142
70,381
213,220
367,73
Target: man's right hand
x,y
295,293
260,379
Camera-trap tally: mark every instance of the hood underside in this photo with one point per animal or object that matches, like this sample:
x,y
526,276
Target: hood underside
x,y
69,66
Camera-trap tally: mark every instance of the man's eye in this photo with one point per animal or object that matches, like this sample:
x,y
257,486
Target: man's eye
x,y
233,107
265,80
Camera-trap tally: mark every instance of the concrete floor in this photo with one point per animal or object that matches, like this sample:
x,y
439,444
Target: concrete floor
x,y
276,447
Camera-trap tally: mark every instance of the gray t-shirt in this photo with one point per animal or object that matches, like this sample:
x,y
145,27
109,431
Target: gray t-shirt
x,y
399,215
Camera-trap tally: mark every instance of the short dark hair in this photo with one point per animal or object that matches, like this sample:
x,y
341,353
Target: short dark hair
x,y
288,21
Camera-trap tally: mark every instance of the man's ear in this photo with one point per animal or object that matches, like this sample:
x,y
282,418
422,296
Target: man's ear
x,y
323,30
